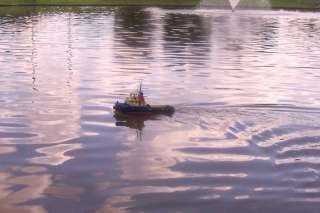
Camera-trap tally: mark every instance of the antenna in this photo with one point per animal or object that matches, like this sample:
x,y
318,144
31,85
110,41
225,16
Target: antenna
x,y
140,87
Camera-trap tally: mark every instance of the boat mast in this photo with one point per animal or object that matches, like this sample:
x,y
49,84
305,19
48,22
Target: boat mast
x,y
140,87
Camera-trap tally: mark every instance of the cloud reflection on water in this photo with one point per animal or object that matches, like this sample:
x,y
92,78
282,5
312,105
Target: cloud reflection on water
x,y
33,187
236,80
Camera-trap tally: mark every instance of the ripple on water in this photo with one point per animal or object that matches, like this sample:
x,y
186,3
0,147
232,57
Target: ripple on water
x,y
244,136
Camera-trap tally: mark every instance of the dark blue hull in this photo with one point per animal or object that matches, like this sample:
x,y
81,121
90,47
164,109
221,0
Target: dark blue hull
x,y
143,110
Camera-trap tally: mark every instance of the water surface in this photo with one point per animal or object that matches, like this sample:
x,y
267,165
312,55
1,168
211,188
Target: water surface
x,y
245,136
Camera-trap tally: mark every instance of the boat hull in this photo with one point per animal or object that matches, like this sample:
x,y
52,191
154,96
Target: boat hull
x,y
125,108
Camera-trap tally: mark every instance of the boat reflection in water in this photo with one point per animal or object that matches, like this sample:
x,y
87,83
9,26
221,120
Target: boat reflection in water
x,y
136,122
131,121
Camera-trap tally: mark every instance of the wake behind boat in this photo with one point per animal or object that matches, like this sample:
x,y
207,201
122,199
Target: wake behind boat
x,y
135,104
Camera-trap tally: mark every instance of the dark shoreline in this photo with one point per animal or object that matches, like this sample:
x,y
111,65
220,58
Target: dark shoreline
x,y
311,5
154,5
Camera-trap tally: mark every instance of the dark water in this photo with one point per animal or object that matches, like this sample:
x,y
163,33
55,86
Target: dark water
x,y
245,136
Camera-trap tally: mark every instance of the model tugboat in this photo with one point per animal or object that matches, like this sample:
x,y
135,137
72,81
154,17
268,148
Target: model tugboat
x,y
136,105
